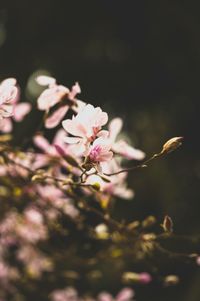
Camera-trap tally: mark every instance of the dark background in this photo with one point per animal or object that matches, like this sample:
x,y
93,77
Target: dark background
x,y
136,59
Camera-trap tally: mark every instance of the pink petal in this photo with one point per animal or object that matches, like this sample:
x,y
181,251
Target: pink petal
x,y
6,125
104,296
51,96
74,128
103,134
60,150
9,82
115,127
21,110
106,157
71,140
44,80
127,151
55,118
59,137
125,294
74,91
78,106
41,142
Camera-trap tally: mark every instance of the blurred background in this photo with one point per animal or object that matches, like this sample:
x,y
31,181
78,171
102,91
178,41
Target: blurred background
x,y
139,60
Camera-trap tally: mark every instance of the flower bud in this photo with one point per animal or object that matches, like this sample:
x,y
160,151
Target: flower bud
x,y
37,178
143,278
171,280
96,186
167,224
102,231
171,145
149,221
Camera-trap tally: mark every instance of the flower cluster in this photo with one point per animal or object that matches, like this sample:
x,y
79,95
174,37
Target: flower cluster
x,y
55,190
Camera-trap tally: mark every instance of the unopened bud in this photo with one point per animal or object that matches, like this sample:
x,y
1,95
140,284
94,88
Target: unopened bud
x,y
171,280
96,186
149,237
143,278
37,178
149,221
167,224
172,144
102,231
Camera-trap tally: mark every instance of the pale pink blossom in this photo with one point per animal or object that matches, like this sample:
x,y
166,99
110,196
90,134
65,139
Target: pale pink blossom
x,y
121,147
56,150
8,96
9,106
126,294
145,278
31,228
20,110
55,196
35,262
86,126
70,294
66,294
100,151
53,95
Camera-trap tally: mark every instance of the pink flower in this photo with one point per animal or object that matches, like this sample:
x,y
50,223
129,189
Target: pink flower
x,y
21,110
57,144
53,95
121,147
145,278
126,294
9,106
66,294
86,125
8,96
100,151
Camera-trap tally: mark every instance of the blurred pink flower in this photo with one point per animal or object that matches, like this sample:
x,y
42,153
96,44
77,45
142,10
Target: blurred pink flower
x,y
53,95
67,294
8,96
70,294
145,278
9,106
121,147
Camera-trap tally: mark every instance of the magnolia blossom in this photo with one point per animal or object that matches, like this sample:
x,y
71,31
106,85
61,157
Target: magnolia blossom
x,y
31,228
86,126
121,147
34,260
20,110
51,194
8,96
53,95
9,106
55,151
100,151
